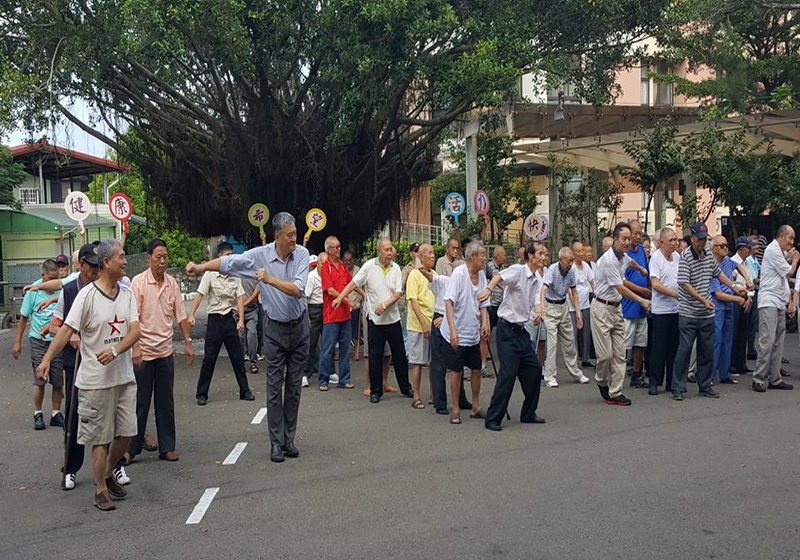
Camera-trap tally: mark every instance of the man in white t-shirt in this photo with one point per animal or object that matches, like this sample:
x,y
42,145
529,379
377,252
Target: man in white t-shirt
x,y
106,316
382,282
584,285
664,309
466,320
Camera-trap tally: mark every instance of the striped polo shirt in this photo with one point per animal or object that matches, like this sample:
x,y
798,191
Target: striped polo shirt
x,y
697,272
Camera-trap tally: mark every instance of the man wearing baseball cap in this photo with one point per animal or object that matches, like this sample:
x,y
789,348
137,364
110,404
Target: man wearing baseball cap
x,y
741,317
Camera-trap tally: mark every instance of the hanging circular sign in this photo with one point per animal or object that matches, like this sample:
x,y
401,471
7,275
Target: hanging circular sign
x,y
455,205
537,227
121,208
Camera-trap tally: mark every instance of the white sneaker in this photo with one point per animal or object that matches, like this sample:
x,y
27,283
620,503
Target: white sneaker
x,y
334,378
69,482
552,383
583,380
121,476
259,357
467,374
304,383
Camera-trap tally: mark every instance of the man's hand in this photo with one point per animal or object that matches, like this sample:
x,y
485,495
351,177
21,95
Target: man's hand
x,y
75,341
336,302
708,304
485,331
46,303
537,314
190,319
43,371
739,291
189,353
379,309
193,269
426,332
454,339
579,319
484,295
437,323
748,303
137,359
105,356
794,254
29,288
263,276
750,287
791,309
16,350
646,304
239,324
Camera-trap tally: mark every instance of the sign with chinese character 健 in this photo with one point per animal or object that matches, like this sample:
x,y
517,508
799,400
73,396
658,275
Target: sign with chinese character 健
x,y
258,216
537,227
77,207
455,205
315,220
121,208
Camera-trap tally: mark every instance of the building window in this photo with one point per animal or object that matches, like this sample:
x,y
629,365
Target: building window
x,y
645,85
664,92
29,196
569,94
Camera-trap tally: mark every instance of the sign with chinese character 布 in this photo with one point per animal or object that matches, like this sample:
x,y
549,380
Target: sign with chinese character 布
x,y
77,207
258,216
455,205
121,208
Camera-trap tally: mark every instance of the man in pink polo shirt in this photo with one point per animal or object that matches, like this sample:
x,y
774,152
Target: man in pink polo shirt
x,y
160,303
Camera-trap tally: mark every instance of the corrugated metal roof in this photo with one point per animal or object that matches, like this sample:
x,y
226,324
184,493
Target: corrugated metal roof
x,y
61,220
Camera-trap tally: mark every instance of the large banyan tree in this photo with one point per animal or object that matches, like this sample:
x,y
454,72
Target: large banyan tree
x,y
338,104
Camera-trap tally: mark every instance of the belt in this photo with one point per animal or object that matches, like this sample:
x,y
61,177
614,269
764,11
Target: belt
x,y
513,326
289,324
556,301
611,303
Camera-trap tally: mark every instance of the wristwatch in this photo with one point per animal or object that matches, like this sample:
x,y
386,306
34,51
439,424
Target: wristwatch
x,y
188,340
114,352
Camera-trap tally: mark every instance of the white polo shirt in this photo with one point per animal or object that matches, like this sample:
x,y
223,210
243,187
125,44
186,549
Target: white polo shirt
x,y
609,273
583,278
379,285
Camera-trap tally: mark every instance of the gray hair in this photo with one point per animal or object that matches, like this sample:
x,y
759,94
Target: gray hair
x,y
565,252
105,250
49,266
473,248
784,230
281,220
662,235
329,241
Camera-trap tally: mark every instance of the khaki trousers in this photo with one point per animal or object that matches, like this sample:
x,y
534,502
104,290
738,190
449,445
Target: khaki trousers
x,y
608,331
560,334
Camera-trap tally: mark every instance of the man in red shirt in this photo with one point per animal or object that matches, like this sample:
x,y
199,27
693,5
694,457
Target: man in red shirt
x,y
335,322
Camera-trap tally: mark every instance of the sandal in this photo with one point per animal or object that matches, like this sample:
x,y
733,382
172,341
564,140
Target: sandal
x,y
478,414
346,386
455,418
418,404
323,387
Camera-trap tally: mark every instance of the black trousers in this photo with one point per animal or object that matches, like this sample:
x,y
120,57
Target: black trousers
x,y
663,347
155,380
518,360
741,329
315,321
439,374
73,451
221,329
752,347
378,336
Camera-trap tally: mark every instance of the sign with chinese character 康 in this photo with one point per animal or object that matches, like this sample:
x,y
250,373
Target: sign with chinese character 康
x,y
77,207
455,205
121,208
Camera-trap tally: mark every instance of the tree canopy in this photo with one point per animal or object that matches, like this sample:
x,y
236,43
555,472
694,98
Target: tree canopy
x,y
11,175
295,103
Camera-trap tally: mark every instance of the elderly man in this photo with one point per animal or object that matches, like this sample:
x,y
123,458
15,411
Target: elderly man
x,y
723,299
608,242
607,323
754,269
313,292
282,270
696,313
420,319
381,280
160,302
493,268
515,352
225,297
355,298
466,320
741,317
106,316
634,315
559,284
584,286
664,309
335,322
451,259
773,302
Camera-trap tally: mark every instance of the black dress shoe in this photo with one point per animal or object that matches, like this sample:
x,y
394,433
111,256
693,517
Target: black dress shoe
x,y
493,427
587,364
442,411
534,420
290,450
202,401
248,396
408,394
374,399
276,455
604,392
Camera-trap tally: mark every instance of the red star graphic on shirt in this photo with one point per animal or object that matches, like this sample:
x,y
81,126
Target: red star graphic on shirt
x,y
113,324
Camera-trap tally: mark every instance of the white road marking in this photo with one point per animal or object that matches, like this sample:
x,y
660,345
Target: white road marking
x,y
259,417
234,454
202,506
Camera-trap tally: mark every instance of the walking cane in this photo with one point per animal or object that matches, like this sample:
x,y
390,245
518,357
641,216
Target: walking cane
x,y
358,335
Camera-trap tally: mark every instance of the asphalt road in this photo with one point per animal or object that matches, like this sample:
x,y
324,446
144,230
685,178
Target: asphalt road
x,y
698,479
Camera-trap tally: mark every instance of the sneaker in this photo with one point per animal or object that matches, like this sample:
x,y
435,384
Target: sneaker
x,y
253,367
759,387
334,378
604,392
103,501
68,482
583,380
691,379
781,385
57,420
467,374
676,396
710,393
38,421
259,357
485,373
121,476
619,400
117,490
304,382
652,390
552,383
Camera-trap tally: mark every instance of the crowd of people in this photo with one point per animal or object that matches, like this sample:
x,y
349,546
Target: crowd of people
x,y
660,312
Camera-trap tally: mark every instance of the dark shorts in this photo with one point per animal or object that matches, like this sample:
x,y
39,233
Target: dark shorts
x,y
463,357
493,315
56,375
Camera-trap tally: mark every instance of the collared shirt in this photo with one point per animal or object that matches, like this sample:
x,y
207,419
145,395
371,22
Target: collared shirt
x,y
418,288
666,271
630,308
159,305
583,285
774,288
353,296
698,273
221,291
445,266
493,268
334,276
559,282
277,305
380,283
314,288
609,273
39,318
522,287
727,266
754,267
466,308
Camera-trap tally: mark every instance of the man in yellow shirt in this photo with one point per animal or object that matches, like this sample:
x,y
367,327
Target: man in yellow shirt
x,y
420,316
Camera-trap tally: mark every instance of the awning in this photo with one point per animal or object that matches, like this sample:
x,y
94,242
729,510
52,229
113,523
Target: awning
x,y
61,221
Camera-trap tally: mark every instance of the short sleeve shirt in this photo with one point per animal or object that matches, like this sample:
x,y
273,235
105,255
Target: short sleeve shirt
x,y
492,268
698,273
418,288
222,292
102,322
38,318
667,273
380,283
774,287
335,276
522,287
630,308
609,273
466,308
558,283
727,266
159,306
583,279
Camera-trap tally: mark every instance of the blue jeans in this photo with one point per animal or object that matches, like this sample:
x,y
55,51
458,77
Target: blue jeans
x,y
331,334
723,341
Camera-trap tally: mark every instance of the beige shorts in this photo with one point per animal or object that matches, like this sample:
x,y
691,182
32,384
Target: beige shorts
x,y
636,333
105,414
